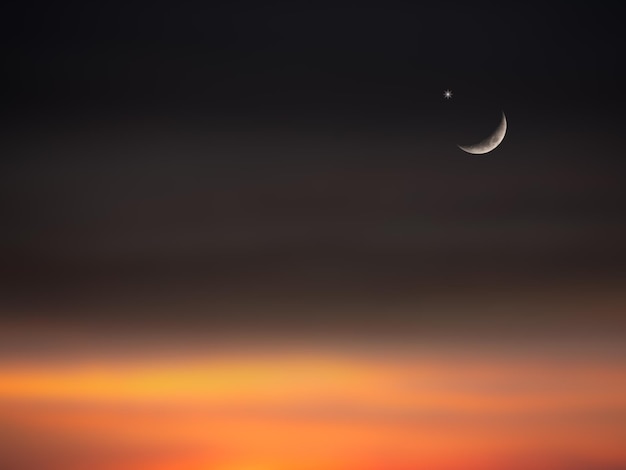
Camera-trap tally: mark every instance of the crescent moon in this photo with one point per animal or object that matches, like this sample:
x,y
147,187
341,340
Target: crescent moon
x,y
490,142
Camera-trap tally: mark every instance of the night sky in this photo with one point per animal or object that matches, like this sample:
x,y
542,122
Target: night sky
x,y
285,168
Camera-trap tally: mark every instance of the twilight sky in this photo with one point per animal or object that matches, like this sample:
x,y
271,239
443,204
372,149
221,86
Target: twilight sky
x,y
277,185
279,151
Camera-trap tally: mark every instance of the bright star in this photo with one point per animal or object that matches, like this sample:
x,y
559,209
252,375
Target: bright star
x,y
447,94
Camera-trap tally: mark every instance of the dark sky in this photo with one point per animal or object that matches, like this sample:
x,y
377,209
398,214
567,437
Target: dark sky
x,y
300,59
269,164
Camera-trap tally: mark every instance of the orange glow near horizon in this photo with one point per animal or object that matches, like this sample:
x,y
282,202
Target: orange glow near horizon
x,y
310,411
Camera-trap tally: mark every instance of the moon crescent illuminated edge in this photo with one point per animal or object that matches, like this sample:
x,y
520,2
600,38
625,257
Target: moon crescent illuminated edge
x,y
490,142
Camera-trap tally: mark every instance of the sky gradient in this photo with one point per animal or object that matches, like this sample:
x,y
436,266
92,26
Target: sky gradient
x,y
242,237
